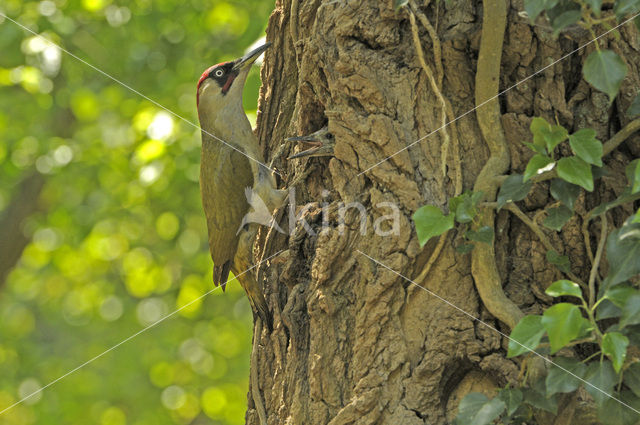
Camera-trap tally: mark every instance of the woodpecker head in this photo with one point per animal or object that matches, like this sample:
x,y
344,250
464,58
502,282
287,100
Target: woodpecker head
x,y
318,143
222,84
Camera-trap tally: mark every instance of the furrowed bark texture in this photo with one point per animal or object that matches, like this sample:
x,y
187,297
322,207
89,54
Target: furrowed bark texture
x,y
354,343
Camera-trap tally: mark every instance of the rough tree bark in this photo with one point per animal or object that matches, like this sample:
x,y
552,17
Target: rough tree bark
x,y
354,342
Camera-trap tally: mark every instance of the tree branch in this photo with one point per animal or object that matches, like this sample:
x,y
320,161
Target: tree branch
x,y
24,203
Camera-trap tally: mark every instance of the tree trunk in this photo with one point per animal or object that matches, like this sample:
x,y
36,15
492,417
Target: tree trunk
x,y
353,341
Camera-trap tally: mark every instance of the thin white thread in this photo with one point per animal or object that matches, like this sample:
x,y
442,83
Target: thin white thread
x,y
501,93
494,329
162,319
136,91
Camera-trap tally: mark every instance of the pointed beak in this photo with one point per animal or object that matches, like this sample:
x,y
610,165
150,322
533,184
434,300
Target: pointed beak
x,y
247,60
308,138
317,143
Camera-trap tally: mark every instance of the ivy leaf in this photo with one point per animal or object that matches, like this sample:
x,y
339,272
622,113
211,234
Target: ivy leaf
x,y
564,287
465,248
631,311
560,261
469,406
537,149
605,70
465,208
430,222
513,189
488,412
512,398
576,171
526,336
595,5
545,134
557,217
633,174
559,381
535,7
620,294
623,198
623,253
632,378
606,310
483,234
537,164
563,323
564,20
634,109
612,412
585,145
601,376
540,400
625,7
400,3
565,192
614,346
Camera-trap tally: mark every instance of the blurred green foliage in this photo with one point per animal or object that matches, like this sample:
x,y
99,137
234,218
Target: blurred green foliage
x,y
120,238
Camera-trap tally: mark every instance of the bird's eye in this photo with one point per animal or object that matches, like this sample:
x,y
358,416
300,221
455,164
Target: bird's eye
x,y
219,73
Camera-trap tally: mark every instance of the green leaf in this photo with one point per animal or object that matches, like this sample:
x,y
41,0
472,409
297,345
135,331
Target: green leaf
x,y
525,337
539,399
612,412
634,108
631,311
513,189
605,70
430,222
488,412
400,3
625,7
483,234
632,378
559,381
465,248
601,376
564,20
535,7
469,406
623,253
545,134
620,294
542,150
623,198
560,261
557,217
633,174
576,171
595,6
465,208
614,346
585,145
454,202
537,164
512,398
606,310
563,323
563,287
565,192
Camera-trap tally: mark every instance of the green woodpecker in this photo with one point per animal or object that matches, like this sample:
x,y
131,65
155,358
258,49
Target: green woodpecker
x,y
227,170
319,143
